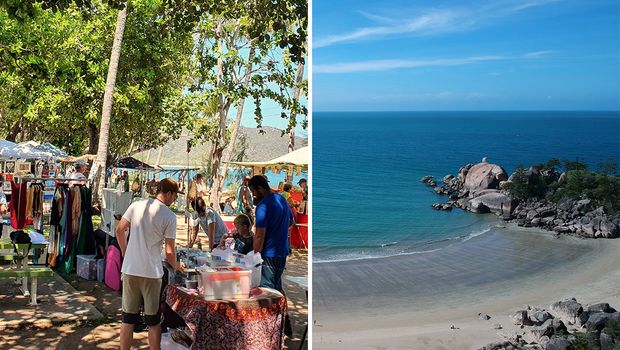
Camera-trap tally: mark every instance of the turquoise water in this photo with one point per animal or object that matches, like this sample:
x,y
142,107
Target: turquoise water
x,y
234,176
367,166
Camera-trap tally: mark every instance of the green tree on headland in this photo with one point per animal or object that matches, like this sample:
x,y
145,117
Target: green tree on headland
x,y
527,183
541,181
602,189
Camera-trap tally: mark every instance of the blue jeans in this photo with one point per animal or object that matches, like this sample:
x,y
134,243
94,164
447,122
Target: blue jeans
x,y
271,276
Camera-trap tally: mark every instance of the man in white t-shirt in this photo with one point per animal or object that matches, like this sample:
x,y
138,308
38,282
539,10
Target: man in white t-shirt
x,y
151,223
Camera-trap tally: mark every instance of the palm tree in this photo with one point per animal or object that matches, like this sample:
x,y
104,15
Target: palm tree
x,y
108,100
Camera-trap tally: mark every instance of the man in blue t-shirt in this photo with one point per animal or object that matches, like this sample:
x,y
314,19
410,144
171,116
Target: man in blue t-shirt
x,y
273,217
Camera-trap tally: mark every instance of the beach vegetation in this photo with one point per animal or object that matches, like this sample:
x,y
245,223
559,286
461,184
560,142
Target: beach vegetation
x,y
612,328
602,189
610,167
527,184
584,341
542,181
576,164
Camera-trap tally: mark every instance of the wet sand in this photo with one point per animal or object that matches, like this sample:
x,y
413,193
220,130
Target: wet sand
x,y
412,301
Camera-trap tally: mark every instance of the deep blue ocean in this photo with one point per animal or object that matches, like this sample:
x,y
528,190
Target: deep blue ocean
x,y
368,200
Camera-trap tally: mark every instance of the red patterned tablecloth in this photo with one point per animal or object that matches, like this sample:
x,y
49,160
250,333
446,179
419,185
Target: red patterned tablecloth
x,y
253,323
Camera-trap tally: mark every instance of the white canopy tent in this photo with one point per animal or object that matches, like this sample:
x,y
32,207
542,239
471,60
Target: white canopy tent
x,y
36,150
29,150
7,149
298,158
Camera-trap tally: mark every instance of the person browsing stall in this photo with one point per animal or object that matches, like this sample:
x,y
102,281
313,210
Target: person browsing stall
x,y
244,198
200,186
150,223
273,218
242,235
210,221
79,173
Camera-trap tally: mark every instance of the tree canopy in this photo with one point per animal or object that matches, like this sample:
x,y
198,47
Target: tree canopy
x,y
53,67
54,57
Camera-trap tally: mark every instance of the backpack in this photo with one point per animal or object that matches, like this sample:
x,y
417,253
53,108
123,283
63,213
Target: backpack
x,y
20,237
113,264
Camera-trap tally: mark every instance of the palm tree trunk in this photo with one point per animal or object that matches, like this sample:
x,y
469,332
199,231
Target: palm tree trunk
x,y
108,100
92,138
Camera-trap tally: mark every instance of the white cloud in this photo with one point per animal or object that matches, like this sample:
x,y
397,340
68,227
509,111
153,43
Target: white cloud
x,y
538,54
389,64
430,21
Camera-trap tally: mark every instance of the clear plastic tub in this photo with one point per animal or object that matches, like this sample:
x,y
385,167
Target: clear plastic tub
x,y
225,283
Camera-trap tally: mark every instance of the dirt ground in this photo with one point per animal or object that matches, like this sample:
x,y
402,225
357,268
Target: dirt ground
x,y
104,333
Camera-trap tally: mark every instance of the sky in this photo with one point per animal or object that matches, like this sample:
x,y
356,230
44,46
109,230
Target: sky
x,y
406,55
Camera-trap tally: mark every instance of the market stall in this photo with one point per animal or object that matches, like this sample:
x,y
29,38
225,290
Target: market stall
x,y
251,323
293,162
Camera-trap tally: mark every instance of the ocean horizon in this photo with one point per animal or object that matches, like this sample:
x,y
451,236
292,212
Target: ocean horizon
x,y
368,198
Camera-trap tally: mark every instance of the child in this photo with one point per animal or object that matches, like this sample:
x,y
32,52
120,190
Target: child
x,y
243,236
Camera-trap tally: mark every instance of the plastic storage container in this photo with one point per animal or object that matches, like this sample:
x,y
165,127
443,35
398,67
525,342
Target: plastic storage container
x,y
224,283
87,267
100,270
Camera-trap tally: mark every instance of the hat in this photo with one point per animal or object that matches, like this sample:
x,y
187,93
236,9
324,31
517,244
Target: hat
x,y
302,180
168,185
79,163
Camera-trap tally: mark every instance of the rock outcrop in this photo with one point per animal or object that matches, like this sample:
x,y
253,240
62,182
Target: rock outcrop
x,y
547,329
482,188
484,176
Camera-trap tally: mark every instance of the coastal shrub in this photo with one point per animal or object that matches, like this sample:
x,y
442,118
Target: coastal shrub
x,y
526,184
574,164
602,189
584,341
612,329
610,167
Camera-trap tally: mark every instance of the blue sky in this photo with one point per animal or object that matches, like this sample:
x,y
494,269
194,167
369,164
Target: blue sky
x,y
465,55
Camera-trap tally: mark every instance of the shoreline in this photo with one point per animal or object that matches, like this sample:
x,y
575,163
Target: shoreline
x,y
450,287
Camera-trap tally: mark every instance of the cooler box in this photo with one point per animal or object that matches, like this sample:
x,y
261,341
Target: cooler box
x,y
100,270
87,267
225,283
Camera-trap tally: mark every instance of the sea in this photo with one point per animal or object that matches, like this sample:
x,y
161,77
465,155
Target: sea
x,y
368,201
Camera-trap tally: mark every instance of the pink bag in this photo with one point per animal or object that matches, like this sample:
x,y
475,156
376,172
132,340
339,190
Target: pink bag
x,y
113,263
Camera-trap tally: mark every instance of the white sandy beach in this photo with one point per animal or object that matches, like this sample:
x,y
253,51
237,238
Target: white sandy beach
x,y
495,274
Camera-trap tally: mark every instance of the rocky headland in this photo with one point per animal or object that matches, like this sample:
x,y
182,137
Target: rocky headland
x,y
567,324
487,188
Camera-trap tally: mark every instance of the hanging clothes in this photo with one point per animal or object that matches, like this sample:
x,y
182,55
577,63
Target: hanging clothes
x,y
55,224
17,206
76,207
29,199
86,244
65,235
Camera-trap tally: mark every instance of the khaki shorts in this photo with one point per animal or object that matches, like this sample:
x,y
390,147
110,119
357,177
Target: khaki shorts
x,y
136,289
